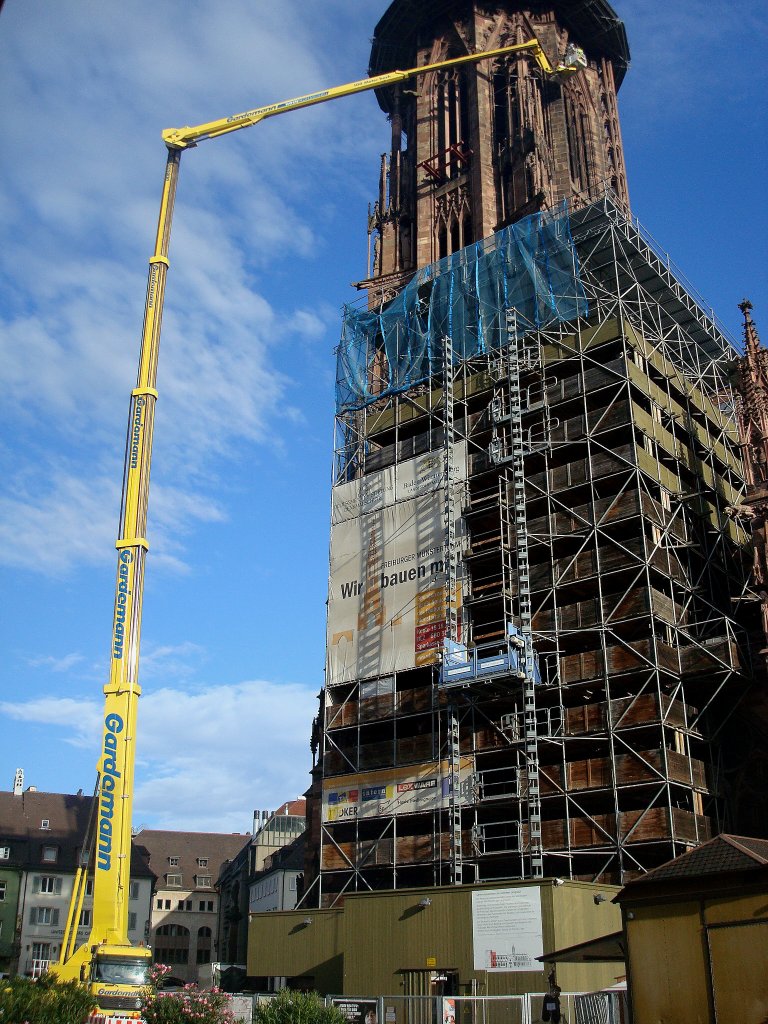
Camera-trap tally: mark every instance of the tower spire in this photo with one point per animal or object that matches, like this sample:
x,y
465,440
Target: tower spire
x,y
474,150
753,394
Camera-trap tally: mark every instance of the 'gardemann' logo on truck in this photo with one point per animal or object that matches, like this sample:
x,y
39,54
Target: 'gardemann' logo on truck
x,y
113,725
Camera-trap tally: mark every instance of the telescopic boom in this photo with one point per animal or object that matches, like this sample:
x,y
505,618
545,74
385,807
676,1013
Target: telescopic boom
x,y
107,955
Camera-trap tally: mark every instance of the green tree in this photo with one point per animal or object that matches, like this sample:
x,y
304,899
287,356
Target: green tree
x,y
297,1008
44,1000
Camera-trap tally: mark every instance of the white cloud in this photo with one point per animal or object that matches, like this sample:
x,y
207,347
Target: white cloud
x,y
205,759
54,664
81,719
81,219
71,520
170,660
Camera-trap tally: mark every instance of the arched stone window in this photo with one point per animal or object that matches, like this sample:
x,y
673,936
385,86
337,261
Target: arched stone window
x,y
171,945
204,945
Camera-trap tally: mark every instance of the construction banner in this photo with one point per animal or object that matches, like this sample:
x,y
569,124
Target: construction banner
x,y
391,791
387,587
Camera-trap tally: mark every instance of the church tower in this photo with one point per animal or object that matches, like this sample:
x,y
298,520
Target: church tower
x,y
537,585
480,146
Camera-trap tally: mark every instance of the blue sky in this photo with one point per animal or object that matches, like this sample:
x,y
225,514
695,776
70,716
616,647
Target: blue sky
x,y
269,232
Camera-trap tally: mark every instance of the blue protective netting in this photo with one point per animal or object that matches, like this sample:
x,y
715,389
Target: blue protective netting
x,y
530,266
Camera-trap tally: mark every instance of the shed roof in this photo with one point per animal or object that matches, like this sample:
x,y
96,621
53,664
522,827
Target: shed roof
x,y
724,855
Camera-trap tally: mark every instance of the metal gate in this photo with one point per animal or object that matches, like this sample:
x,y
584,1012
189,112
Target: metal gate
x,y
576,1008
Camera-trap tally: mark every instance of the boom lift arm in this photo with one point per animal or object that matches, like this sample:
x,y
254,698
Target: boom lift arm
x,y
107,960
185,138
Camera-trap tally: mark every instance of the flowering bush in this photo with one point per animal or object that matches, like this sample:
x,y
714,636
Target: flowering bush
x,y
44,1000
191,1005
297,1008
157,973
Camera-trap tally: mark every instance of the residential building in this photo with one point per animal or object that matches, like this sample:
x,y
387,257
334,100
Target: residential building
x,y
273,832
278,885
185,904
276,829
41,844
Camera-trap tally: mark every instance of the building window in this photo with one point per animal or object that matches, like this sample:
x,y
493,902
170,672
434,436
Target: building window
x,y
159,904
167,904
171,956
206,906
173,880
45,823
44,915
132,921
204,881
204,944
202,862
177,930
50,854
89,887
41,957
134,890
5,852
3,886
86,918
181,905
171,944
46,883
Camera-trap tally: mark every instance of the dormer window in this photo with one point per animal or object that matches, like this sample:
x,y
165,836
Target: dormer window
x,y
50,854
45,823
204,881
173,880
173,862
202,862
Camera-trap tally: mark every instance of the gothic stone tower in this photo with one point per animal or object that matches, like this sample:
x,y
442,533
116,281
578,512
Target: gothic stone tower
x,y
478,147
536,450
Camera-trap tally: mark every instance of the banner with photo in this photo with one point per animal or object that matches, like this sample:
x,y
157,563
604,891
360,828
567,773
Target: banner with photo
x,y
406,790
386,593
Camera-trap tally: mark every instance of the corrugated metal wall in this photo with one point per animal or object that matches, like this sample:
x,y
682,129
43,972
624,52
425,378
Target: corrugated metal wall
x,y
369,946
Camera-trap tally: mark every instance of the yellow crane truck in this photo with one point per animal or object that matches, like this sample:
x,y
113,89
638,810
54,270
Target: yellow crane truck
x,y
115,970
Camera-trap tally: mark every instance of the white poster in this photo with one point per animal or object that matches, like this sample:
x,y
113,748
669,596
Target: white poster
x,y
386,595
506,929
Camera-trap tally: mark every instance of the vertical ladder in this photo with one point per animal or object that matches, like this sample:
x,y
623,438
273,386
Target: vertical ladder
x,y
449,516
523,354
454,797
451,613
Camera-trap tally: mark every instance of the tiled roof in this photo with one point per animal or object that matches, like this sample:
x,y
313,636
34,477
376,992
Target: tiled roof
x,y
723,855
297,807
179,853
21,819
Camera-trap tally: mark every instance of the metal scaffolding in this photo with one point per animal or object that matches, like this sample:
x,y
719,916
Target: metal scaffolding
x,y
601,582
